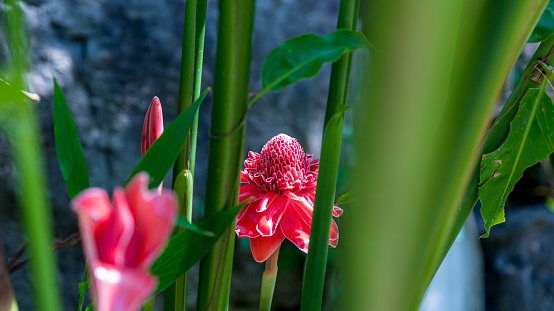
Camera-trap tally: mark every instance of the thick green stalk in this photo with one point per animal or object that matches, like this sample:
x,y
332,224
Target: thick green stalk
x,y
35,209
226,143
340,72
21,123
189,90
431,96
314,277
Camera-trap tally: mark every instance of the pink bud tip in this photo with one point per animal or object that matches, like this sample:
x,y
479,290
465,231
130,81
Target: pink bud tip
x,y
153,125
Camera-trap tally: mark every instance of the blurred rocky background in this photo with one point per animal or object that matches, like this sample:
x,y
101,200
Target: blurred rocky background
x,y
110,58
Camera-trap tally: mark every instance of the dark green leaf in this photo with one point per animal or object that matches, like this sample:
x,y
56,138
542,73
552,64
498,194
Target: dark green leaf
x,y
160,157
545,25
187,247
68,147
302,57
184,223
529,141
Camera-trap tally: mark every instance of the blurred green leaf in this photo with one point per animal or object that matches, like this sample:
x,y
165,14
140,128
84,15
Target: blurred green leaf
x,y
68,147
529,141
545,25
302,57
160,157
187,247
346,198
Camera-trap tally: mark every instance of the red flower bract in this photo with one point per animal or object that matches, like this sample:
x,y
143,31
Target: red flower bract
x,y
281,181
122,240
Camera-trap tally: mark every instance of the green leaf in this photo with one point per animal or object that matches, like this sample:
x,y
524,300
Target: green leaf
x,y
184,223
187,247
68,147
83,286
529,141
160,157
302,57
545,25
347,198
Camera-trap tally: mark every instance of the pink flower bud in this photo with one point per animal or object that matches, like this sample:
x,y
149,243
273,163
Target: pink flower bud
x,y
281,181
122,239
153,125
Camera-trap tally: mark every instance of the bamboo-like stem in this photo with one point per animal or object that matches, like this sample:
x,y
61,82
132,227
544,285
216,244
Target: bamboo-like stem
x,y
226,143
189,90
316,265
340,71
268,281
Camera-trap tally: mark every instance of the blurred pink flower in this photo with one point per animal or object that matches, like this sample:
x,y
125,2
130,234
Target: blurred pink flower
x,y
122,241
153,126
281,181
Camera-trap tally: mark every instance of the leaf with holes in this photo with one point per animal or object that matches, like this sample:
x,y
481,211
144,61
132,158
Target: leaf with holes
x,y
529,141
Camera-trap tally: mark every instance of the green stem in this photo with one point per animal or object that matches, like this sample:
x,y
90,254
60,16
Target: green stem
x,y
189,90
314,277
25,142
36,210
226,143
268,281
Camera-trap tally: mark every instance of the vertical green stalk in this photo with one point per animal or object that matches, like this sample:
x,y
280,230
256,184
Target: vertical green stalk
x,y
232,70
189,90
24,137
314,277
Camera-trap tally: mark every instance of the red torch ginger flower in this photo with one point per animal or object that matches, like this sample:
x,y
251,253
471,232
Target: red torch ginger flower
x,y
281,181
121,240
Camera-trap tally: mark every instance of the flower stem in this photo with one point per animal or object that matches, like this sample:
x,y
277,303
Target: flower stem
x,y
314,277
189,90
268,281
232,70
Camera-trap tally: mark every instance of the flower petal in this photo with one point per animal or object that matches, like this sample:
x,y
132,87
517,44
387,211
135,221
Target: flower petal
x,y
266,201
295,228
94,210
247,220
262,247
154,214
249,190
334,235
123,226
337,211
267,224
120,289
